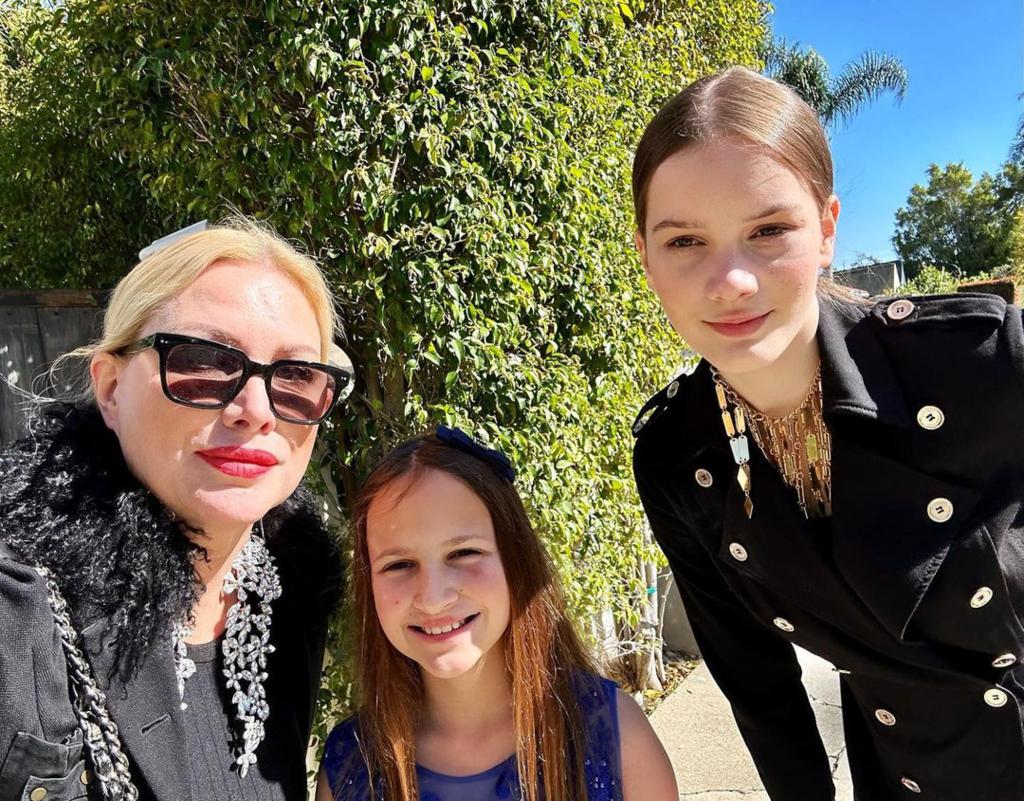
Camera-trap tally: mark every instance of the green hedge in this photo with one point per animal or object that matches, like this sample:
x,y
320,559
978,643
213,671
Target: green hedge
x,y
462,171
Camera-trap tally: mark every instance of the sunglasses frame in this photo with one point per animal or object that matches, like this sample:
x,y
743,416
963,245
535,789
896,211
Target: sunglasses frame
x,y
162,343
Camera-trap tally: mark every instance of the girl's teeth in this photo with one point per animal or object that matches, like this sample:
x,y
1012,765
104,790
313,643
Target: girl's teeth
x,y
443,629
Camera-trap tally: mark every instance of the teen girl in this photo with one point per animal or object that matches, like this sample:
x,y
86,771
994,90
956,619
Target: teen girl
x,y
845,477
473,685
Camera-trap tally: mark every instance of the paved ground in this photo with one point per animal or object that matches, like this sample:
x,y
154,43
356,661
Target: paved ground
x,y
711,762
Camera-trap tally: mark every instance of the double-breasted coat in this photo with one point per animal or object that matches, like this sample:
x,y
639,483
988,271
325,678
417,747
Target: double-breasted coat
x,y
913,588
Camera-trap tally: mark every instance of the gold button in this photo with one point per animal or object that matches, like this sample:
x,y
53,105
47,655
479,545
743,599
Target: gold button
x,y
930,418
704,478
673,388
885,717
784,624
995,697
910,784
1004,661
900,309
38,794
85,778
940,510
738,552
981,597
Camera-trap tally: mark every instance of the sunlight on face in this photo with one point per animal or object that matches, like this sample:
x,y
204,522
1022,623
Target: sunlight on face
x,y
438,583
263,312
733,247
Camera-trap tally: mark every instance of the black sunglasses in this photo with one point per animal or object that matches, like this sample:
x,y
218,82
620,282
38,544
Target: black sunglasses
x,y
209,375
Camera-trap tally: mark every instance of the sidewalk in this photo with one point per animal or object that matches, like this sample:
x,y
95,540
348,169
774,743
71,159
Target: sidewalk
x,y
696,725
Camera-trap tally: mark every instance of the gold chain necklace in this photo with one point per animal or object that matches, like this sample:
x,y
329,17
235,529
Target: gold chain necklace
x,y
799,445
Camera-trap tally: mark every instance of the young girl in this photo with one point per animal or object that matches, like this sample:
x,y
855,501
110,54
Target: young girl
x,y
473,685
846,477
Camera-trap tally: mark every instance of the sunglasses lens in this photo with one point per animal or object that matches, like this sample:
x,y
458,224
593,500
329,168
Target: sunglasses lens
x,y
301,393
202,376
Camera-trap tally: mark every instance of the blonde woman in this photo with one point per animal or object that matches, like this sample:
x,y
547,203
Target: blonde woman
x,y
846,477
164,587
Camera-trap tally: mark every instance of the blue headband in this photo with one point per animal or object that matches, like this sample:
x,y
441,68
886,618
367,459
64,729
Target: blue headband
x,y
458,438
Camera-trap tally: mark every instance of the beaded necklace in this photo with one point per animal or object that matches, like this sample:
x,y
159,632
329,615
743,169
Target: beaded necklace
x,y
799,445
245,646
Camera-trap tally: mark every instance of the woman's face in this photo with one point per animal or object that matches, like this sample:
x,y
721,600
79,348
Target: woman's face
x,y
733,244
438,583
260,310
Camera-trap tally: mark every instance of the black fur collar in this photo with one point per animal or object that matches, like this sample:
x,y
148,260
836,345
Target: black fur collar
x,y
69,502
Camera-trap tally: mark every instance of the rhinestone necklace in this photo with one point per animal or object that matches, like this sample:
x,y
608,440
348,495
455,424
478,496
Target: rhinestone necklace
x,y
799,445
245,644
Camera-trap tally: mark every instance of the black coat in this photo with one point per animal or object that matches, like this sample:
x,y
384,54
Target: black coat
x,y
40,743
922,618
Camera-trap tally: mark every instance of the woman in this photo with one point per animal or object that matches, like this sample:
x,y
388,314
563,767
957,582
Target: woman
x,y
845,477
164,512
473,685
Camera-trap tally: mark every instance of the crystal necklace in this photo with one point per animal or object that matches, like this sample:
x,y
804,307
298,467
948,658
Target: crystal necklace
x,y
799,445
245,644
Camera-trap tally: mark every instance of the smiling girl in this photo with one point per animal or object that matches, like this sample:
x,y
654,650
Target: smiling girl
x,y
473,684
842,476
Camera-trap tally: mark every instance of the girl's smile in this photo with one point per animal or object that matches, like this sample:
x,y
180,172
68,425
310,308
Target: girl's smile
x,y
439,586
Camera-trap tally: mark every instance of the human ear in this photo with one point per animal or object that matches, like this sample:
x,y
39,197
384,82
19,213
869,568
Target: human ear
x,y
641,248
105,371
829,220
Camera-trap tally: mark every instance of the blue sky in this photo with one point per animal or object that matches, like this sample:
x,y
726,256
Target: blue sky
x,y
966,66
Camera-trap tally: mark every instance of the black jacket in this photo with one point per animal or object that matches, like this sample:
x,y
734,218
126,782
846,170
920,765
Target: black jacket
x,y
922,617
40,743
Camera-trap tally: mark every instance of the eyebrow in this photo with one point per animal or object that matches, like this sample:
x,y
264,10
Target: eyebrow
x,y
675,224
771,211
768,212
446,544
219,335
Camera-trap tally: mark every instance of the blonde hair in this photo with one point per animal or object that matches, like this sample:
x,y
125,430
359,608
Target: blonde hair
x,y
165,273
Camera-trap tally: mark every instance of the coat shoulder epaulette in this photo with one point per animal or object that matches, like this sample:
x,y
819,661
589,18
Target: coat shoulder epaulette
x,y
940,310
657,405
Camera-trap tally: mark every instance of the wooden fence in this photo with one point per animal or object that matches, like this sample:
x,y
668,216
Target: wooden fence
x,y
36,328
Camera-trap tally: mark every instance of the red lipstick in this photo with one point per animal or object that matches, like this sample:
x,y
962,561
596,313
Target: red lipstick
x,y
738,325
239,462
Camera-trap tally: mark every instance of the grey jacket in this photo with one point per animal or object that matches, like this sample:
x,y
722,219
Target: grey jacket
x,y
40,741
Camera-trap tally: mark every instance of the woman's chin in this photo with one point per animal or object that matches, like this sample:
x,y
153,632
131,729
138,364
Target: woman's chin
x,y
230,506
746,357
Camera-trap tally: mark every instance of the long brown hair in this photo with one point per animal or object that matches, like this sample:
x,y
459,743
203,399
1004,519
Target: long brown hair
x,y
543,652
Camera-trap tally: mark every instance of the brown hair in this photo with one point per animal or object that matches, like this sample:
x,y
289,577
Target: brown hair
x,y
739,102
542,649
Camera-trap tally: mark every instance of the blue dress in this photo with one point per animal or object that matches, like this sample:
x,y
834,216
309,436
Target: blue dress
x,y
347,774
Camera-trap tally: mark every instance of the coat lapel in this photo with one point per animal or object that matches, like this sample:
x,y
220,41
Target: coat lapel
x,y
147,711
857,377
884,542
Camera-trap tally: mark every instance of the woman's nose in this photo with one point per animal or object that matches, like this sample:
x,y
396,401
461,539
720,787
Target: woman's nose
x,y
251,407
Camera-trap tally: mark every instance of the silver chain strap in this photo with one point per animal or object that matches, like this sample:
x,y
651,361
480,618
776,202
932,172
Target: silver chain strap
x,y
111,774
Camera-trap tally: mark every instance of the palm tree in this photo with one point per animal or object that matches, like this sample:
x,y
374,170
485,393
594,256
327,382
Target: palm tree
x,y
837,97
